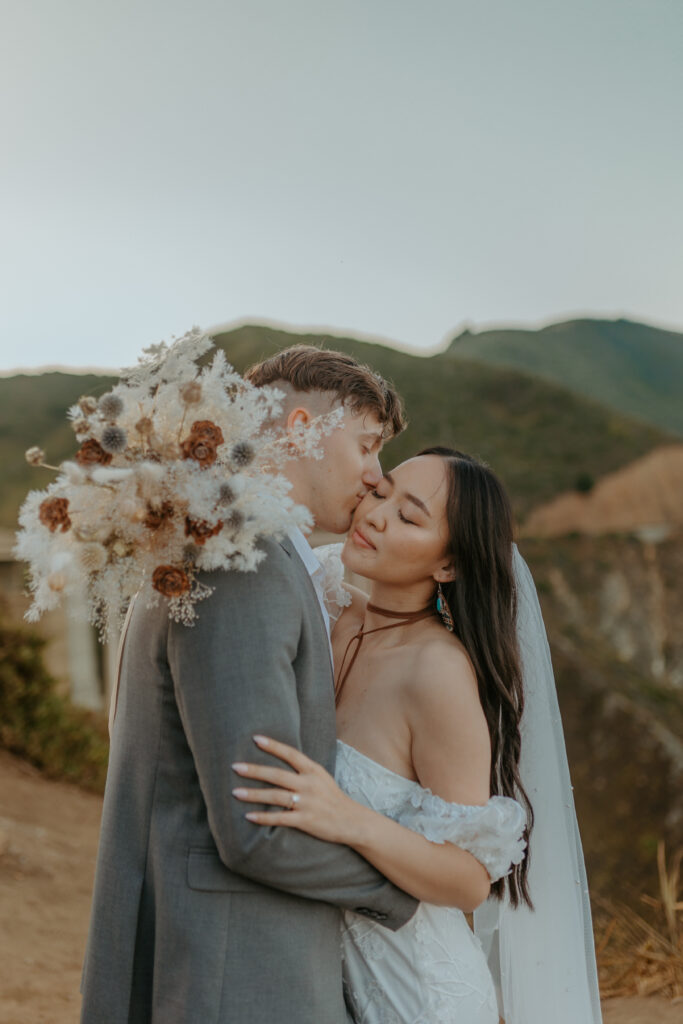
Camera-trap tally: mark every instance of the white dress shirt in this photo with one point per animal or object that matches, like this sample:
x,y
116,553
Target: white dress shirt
x,y
316,572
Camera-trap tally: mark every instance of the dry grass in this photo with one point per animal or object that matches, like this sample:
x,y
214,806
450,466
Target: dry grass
x,y
637,957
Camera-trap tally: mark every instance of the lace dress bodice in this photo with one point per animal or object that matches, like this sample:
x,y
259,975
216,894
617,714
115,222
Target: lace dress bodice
x,y
433,970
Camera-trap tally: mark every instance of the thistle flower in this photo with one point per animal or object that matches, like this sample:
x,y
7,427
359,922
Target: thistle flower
x,y
226,494
114,439
35,456
241,454
235,520
110,406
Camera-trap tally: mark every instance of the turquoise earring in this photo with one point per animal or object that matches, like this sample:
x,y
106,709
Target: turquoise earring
x,y
443,610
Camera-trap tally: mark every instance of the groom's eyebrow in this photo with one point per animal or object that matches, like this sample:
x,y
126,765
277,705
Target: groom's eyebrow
x,y
411,497
373,436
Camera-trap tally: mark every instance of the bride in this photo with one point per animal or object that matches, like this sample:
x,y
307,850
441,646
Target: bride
x,y
451,774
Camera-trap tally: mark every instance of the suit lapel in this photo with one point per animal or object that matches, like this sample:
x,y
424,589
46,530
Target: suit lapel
x,y
288,546
117,671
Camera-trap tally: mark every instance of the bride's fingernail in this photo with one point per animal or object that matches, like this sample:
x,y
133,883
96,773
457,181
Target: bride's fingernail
x,y
240,768
262,741
251,816
240,792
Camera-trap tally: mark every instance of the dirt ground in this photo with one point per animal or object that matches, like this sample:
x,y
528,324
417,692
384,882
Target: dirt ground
x,y
48,842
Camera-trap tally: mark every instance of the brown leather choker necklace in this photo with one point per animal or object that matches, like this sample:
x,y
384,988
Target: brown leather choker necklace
x,y
405,619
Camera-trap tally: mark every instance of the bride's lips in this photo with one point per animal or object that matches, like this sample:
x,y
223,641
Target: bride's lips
x,y
358,538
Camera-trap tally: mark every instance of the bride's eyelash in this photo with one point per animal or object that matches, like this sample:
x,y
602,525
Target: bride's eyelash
x,y
403,518
376,494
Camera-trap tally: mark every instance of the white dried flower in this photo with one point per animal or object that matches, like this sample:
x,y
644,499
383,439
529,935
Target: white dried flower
x,y
73,473
191,393
35,456
110,406
87,404
93,557
144,426
81,426
114,439
56,581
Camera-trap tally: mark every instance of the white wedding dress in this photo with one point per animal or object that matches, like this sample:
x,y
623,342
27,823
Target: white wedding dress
x,y
433,970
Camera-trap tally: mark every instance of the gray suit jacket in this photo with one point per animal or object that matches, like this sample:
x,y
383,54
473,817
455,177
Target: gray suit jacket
x,y
199,916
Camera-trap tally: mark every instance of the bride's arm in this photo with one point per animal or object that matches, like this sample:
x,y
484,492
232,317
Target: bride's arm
x,y
451,754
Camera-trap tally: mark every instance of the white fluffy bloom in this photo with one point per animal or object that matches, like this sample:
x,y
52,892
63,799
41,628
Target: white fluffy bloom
x,y
195,480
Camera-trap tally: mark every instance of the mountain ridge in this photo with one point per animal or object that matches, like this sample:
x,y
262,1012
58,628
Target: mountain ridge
x,y
629,366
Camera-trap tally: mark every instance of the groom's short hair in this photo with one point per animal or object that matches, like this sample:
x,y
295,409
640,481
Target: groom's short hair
x,y
358,387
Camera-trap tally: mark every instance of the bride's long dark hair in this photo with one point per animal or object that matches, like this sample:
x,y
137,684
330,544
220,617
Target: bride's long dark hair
x,y
483,603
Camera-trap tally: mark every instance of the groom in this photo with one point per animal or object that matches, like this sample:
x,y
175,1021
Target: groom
x,y
198,916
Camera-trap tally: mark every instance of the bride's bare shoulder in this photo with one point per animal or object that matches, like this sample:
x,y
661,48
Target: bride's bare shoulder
x,y
444,668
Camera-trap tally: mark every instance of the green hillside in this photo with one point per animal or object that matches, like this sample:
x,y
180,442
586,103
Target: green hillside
x,y
631,367
33,411
539,437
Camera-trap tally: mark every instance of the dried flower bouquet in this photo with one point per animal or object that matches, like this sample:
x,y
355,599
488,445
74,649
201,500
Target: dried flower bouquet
x,y
177,470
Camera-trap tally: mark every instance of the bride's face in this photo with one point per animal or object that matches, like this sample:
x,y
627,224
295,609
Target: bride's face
x,y
399,532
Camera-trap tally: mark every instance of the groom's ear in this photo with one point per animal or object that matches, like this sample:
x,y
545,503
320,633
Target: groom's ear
x,y
297,418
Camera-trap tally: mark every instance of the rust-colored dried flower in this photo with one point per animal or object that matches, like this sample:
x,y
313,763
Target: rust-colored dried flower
x,y
91,453
200,530
170,581
54,513
191,393
201,449
207,429
35,456
159,516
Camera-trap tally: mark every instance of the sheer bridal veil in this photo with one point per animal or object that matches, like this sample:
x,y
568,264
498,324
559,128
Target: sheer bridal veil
x,y
543,961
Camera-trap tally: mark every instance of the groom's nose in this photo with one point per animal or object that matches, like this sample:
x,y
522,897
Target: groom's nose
x,y
372,473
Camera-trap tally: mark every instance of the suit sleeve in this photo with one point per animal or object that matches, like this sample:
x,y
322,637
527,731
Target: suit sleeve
x,y
233,676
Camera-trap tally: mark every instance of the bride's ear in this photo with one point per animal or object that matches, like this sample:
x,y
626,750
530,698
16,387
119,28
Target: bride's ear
x,y
445,574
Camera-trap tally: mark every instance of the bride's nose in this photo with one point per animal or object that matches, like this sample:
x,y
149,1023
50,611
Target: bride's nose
x,y
376,517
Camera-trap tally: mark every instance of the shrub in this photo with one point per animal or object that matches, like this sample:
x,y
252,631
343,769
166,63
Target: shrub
x,y
62,740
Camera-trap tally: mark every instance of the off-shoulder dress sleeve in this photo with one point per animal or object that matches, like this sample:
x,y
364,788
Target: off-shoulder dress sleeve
x,y
491,832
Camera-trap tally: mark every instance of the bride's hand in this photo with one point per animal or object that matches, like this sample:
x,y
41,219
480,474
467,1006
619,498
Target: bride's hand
x,y
306,798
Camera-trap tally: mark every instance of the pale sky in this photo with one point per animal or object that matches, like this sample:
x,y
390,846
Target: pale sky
x,y
387,167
